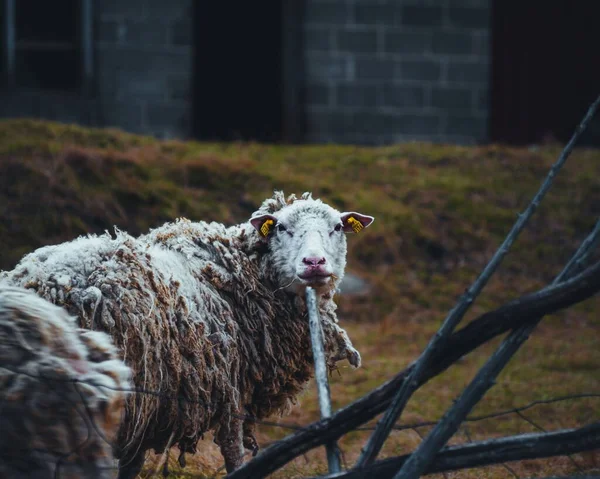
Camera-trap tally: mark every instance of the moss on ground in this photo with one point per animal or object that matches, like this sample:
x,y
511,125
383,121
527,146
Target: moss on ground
x,y
441,212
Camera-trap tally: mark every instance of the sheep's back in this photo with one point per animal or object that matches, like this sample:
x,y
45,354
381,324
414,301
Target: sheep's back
x,y
170,323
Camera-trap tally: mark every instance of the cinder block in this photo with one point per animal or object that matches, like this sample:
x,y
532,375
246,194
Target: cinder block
x,y
180,32
328,13
175,117
357,95
327,122
143,33
424,124
371,68
467,72
412,43
129,58
473,126
371,13
454,43
321,67
167,11
422,16
419,70
141,86
19,104
482,100
107,31
402,96
317,94
481,44
129,8
127,116
179,86
453,99
469,17
357,41
317,39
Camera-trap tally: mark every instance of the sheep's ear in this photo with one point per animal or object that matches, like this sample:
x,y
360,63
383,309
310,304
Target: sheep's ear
x,y
264,224
355,222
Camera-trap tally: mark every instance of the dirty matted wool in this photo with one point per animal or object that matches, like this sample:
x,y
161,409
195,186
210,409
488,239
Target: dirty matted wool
x,y
61,397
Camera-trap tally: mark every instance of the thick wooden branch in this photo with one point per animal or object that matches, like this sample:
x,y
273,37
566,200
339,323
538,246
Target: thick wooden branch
x,y
483,380
493,451
454,317
462,342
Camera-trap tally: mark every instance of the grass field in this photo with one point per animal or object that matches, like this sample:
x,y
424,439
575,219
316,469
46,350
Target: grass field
x,y
440,210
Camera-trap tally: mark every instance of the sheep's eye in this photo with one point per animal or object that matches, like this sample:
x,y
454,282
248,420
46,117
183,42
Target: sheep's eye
x,y
281,228
338,227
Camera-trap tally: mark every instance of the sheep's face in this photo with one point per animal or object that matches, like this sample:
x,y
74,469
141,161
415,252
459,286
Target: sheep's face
x,y
307,242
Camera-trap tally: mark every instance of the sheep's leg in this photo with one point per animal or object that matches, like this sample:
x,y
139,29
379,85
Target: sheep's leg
x,y
130,467
250,441
230,442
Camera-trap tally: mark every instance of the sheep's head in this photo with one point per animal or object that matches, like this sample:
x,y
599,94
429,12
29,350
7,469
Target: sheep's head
x,y
307,241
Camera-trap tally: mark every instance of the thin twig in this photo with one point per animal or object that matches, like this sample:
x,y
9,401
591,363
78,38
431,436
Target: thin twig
x,y
540,428
409,386
504,412
486,376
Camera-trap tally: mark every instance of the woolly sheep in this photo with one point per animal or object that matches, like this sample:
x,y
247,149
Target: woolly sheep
x,y
211,319
61,392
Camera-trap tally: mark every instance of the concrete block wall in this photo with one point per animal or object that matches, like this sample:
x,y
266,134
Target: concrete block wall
x,y
383,71
144,66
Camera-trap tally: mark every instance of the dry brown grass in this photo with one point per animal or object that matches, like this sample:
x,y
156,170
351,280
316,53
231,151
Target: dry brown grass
x,y
441,211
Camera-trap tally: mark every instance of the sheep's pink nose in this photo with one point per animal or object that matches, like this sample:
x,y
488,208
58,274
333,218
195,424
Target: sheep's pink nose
x,y
314,261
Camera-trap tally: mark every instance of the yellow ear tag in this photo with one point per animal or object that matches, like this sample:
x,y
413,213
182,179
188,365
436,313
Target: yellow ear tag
x,y
356,225
265,229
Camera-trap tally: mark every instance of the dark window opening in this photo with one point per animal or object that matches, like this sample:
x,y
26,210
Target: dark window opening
x,y
48,44
545,70
238,71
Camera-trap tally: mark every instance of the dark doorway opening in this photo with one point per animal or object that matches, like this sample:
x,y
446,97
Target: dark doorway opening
x,y
238,86
545,70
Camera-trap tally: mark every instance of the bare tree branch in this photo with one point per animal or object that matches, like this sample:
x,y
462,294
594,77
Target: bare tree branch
x,y
493,451
486,376
409,386
483,380
462,342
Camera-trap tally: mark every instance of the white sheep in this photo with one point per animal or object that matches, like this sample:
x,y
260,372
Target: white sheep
x,y
211,319
62,392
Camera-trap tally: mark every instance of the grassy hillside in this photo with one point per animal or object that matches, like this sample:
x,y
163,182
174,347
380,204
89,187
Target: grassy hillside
x,y
440,213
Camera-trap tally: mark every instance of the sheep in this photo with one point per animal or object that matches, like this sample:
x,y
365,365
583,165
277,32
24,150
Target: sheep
x,y
211,319
62,392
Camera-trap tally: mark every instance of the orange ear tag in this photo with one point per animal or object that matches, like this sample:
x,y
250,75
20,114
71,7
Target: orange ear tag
x,y
355,224
265,229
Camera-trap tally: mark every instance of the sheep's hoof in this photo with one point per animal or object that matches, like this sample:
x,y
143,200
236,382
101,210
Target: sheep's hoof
x,y
354,358
251,444
181,459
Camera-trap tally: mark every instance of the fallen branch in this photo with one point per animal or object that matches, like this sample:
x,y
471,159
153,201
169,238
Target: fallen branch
x,y
483,380
492,451
455,315
462,342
